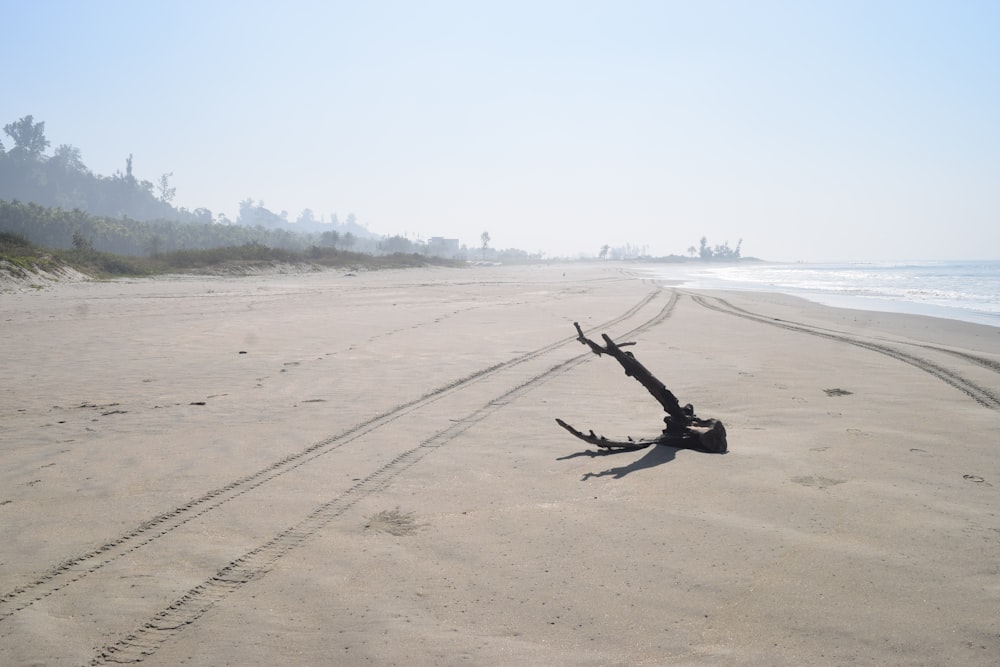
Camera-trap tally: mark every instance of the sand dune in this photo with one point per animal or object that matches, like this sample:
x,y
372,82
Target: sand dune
x,y
330,469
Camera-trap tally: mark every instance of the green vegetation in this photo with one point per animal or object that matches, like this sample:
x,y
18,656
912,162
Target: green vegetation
x,y
21,254
63,180
60,229
723,252
21,257
120,224
55,200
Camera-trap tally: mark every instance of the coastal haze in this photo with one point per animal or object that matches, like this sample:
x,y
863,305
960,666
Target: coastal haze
x,y
813,131
299,452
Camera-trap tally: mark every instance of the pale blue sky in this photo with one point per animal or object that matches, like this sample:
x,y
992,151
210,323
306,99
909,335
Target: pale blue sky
x,y
811,130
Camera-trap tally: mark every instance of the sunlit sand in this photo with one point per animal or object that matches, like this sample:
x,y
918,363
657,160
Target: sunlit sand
x,y
332,469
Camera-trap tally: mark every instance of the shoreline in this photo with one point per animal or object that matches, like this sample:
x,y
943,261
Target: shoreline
x,y
366,469
689,274
703,276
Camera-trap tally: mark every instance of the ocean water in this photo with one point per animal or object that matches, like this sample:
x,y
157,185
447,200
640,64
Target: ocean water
x,y
968,291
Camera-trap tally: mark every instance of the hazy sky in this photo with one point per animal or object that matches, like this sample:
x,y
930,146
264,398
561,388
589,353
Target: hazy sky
x,y
811,130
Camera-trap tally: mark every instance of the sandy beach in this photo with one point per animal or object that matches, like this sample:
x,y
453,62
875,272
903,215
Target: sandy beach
x,y
339,469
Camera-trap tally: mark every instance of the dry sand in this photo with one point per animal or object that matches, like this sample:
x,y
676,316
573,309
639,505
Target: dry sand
x,y
329,469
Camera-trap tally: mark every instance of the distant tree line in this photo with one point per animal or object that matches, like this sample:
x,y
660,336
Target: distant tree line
x,y
62,180
56,201
723,252
627,251
61,229
704,252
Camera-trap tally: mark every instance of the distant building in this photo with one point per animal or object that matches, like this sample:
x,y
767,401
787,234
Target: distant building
x,y
439,246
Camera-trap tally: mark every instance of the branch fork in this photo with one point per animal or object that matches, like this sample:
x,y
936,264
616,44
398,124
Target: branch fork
x,y
683,429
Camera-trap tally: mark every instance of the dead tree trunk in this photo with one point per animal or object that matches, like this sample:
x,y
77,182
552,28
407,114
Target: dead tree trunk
x,y
683,429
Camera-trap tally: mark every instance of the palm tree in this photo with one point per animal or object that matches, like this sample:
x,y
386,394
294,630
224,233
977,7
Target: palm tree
x,y
485,238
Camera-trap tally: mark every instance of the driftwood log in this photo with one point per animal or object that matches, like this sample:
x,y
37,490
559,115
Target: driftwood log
x,y
683,429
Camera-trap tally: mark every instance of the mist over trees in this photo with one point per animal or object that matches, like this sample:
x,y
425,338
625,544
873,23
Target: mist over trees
x,y
55,200
50,198
61,229
722,252
63,180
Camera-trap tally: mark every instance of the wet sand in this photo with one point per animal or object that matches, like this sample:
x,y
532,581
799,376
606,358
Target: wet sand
x,y
365,469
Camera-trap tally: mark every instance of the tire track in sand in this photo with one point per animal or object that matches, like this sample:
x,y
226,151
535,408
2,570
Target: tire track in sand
x,y
75,568
985,397
169,622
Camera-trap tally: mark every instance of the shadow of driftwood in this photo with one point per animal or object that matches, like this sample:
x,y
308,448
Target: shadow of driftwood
x,y
652,456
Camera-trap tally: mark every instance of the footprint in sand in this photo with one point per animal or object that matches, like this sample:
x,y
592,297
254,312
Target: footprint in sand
x,y
977,479
817,481
393,522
